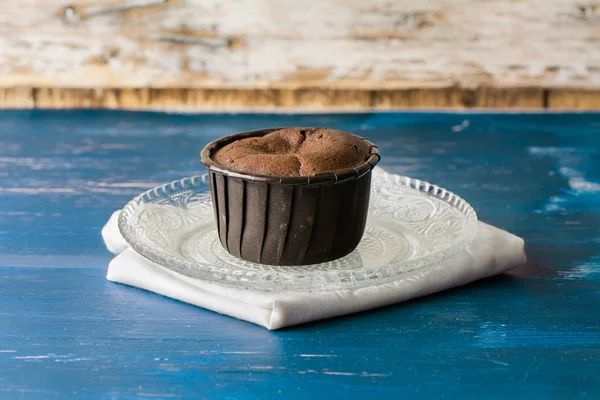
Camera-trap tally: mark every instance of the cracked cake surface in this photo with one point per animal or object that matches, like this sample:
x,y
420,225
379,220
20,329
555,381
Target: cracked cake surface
x,y
295,152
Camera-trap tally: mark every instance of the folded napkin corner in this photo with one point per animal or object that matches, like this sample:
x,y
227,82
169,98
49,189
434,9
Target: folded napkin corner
x,y
492,252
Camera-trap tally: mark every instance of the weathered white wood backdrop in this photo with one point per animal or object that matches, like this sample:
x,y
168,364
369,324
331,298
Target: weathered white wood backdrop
x,y
293,45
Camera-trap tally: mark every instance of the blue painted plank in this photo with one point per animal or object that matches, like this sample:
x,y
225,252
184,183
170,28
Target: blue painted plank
x,y
65,332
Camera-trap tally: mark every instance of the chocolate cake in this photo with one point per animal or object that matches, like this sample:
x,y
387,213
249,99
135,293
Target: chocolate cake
x,y
290,196
295,152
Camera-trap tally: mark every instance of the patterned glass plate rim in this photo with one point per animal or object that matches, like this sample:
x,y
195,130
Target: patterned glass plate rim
x,y
412,225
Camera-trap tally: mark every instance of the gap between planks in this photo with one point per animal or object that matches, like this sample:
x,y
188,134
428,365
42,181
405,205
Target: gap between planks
x,y
304,98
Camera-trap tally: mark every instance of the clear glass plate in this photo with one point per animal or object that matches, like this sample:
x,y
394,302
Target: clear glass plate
x,y
411,225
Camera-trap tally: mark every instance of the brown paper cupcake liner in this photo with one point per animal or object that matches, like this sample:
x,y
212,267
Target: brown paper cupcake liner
x,y
289,220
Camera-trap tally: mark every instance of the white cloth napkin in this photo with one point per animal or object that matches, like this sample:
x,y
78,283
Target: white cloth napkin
x,y
492,252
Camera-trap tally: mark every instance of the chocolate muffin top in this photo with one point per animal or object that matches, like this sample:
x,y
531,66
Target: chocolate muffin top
x,y
295,152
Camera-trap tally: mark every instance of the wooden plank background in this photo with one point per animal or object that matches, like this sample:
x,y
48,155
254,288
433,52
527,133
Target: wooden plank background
x,y
352,54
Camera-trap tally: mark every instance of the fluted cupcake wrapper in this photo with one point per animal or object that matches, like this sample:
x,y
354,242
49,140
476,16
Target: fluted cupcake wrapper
x,y
292,224
292,220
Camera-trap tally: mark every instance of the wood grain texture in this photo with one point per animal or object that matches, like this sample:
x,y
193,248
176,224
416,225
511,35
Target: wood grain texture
x,y
66,332
340,44
308,99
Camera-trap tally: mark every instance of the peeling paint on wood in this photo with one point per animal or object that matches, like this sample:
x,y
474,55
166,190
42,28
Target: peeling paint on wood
x,y
272,44
67,333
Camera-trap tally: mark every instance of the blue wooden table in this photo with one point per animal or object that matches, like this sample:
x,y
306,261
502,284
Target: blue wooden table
x,y
65,332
